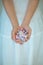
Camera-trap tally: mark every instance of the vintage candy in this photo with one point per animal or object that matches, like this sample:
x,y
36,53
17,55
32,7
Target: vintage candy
x,y
21,34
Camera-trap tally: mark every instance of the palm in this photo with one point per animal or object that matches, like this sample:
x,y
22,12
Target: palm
x,y
14,32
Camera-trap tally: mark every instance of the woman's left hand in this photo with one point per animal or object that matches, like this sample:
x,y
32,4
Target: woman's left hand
x,y
28,29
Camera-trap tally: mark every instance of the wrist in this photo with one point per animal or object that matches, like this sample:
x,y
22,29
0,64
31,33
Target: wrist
x,y
24,24
14,22
15,25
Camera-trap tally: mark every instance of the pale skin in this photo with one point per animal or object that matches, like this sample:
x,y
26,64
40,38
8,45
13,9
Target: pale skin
x,y
8,4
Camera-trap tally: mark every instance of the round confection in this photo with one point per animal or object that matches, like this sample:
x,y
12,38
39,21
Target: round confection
x,y
21,34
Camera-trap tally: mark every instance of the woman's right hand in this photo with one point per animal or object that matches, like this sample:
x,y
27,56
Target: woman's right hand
x,y
13,35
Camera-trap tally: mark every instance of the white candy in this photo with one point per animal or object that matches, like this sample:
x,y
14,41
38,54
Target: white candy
x,y
20,35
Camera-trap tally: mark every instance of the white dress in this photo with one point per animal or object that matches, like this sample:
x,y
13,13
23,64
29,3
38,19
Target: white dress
x,y
26,54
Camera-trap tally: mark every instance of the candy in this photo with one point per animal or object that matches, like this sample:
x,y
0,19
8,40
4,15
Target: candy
x,y
22,35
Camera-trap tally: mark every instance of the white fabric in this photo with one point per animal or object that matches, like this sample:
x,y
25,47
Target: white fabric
x,y
28,53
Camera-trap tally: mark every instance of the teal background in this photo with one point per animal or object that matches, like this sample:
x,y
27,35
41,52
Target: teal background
x,y
41,50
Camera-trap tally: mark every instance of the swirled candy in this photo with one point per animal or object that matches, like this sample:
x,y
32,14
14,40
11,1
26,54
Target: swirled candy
x,y
22,35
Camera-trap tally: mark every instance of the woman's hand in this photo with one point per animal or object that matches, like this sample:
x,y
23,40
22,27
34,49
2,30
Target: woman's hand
x,y
28,29
14,32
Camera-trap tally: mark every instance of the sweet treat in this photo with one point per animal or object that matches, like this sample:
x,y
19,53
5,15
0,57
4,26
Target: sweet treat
x,y
21,34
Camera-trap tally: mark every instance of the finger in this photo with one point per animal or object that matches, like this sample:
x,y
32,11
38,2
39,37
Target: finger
x,y
28,35
13,35
19,41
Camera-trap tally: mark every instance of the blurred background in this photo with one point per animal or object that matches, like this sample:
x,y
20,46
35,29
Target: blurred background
x,y
39,58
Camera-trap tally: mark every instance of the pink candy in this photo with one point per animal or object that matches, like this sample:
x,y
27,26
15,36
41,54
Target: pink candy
x,y
22,35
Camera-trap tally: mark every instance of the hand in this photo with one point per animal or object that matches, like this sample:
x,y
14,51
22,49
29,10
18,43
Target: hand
x,y
28,29
14,32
